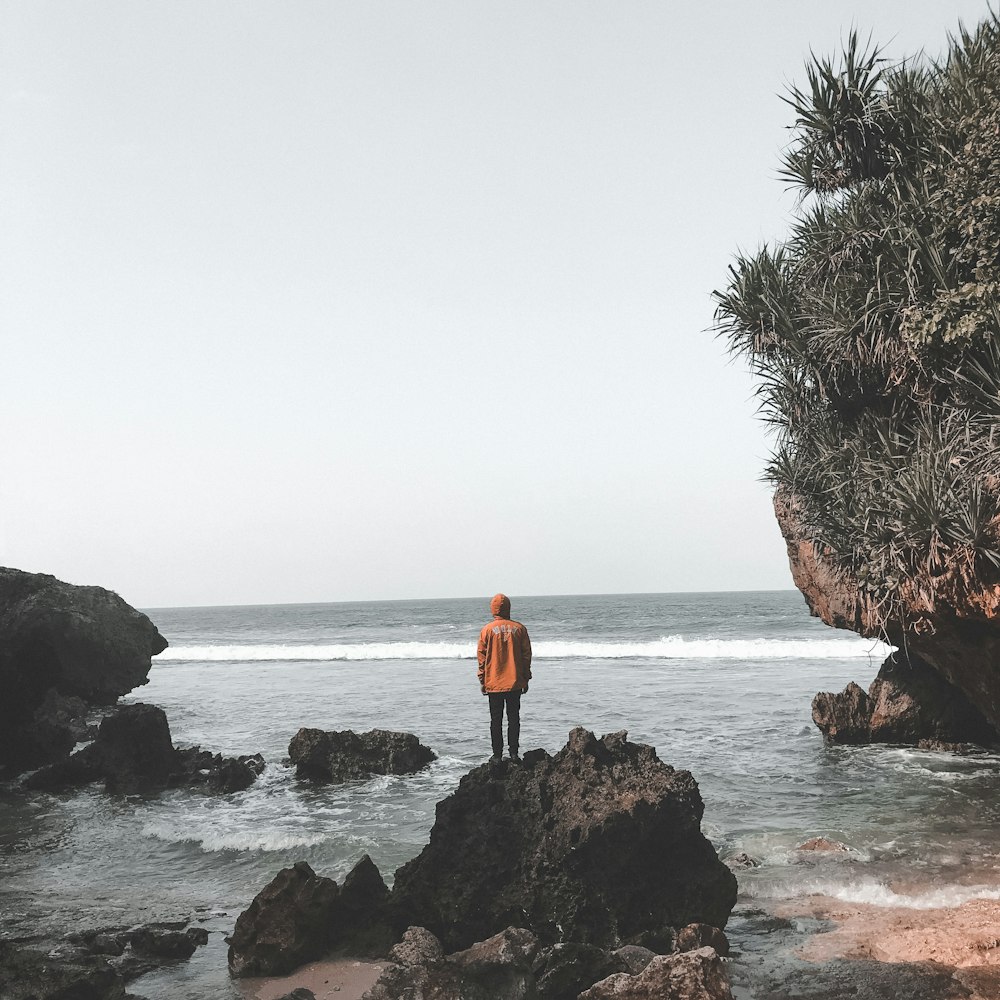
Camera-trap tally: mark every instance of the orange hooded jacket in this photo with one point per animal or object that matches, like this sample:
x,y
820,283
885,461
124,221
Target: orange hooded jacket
x,y
504,651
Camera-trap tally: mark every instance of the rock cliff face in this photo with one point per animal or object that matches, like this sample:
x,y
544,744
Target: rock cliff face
x,y
600,844
62,647
943,684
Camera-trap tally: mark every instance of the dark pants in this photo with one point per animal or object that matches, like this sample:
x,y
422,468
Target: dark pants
x,y
512,699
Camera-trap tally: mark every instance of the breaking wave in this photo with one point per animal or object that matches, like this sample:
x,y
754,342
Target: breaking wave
x,y
670,647
873,893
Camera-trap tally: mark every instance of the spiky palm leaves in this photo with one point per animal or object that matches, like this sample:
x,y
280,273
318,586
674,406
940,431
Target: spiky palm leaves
x,y
874,330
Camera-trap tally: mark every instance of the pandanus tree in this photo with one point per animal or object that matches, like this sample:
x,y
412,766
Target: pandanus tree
x,y
873,330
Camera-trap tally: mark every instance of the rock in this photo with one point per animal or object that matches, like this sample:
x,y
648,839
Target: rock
x,y
335,757
79,643
563,971
300,916
168,943
26,974
944,683
496,969
634,958
908,702
691,975
600,844
286,925
742,860
696,936
299,993
418,947
822,844
133,753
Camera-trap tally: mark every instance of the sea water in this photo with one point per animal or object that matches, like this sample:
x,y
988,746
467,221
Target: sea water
x,y
720,684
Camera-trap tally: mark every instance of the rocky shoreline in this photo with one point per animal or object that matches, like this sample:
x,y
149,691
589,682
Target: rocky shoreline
x,y
605,884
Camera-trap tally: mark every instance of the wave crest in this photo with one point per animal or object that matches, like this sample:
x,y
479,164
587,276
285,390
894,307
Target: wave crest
x,y
670,647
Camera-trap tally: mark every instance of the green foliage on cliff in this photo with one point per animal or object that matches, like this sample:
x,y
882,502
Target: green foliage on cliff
x,y
874,329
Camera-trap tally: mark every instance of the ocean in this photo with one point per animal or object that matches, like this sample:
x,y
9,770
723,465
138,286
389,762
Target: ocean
x,y
719,683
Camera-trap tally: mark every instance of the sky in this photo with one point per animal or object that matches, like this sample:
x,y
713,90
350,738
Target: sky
x,y
321,301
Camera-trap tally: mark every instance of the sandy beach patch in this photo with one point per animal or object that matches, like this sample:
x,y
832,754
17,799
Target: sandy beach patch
x,y
964,936
332,979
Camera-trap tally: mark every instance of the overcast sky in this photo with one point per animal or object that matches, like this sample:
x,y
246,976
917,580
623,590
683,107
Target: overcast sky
x,y
309,301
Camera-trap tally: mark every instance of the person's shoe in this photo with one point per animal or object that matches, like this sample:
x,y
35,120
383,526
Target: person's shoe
x,y
495,759
515,758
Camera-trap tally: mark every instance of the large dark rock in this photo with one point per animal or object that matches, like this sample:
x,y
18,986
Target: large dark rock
x,y
600,844
564,971
691,975
908,702
335,757
79,642
133,753
947,628
26,974
300,916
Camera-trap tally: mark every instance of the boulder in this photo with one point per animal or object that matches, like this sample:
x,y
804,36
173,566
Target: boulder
x,y
563,971
600,844
418,947
696,936
170,944
300,916
908,702
77,642
634,958
690,975
336,757
133,753
26,974
499,968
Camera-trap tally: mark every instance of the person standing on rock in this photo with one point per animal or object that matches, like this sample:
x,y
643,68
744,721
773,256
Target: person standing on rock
x,y
504,655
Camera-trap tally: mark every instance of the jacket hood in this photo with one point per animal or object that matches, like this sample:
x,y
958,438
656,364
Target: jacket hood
x,y
500,606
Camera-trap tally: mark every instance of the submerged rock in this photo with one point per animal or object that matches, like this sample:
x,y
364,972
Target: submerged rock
x,y
300,916
823,844
133,753
58,642
600,844
336,757
691,975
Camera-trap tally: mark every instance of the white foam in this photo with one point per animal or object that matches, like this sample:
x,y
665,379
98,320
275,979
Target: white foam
x,y
875,893
668,647
232,840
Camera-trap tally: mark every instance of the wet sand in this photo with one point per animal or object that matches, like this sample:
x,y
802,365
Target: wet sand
x,y
333,979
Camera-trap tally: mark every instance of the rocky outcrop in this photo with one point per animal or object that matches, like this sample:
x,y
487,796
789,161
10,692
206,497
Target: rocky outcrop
x,y
94,964
946,677
133,753
908,702
692,975
600,844
300,916
60,642
336,757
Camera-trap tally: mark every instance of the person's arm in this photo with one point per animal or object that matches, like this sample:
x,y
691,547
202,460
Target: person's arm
x,y
526,653
481,658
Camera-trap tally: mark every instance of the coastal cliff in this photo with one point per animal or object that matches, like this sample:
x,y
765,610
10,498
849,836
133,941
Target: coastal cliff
x,y
63,649
942,684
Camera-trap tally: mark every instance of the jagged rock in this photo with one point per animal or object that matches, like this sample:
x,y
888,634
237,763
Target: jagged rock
x,y
563,971
418,947
908,702
26,974
600,844
948,625
133,753
822,844
168,943
696,936
634,957
691,975
335,757
300,916
77,642
742,860
496,969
